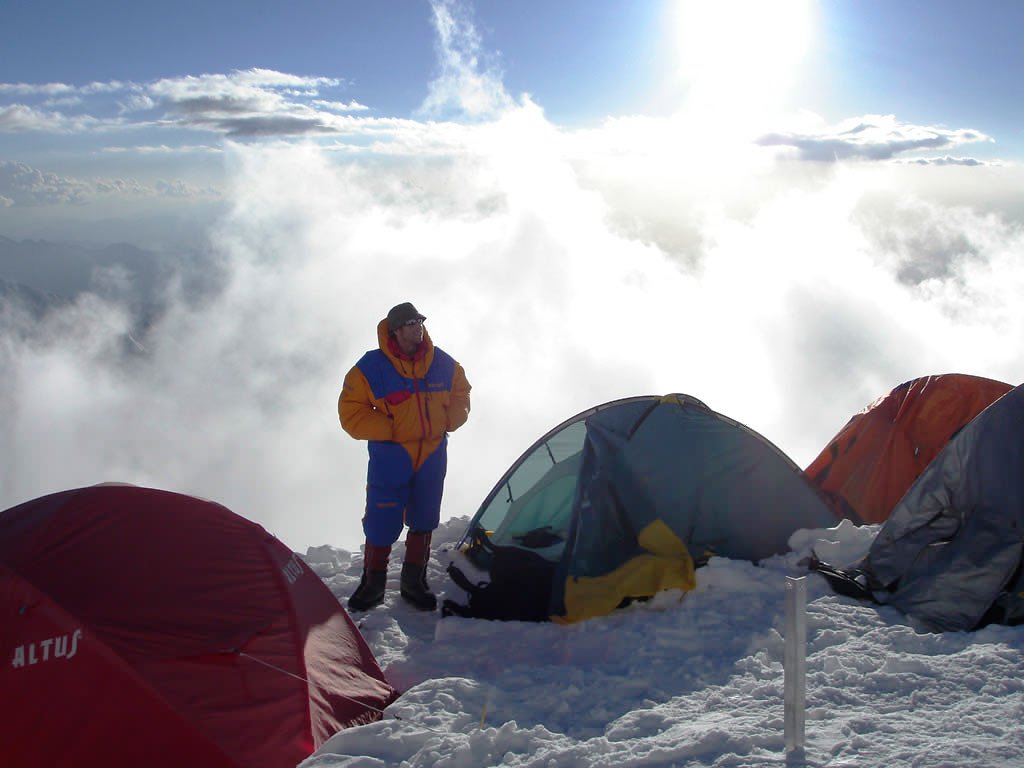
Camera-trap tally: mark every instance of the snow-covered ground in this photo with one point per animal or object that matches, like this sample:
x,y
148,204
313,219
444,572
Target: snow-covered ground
x,y
691,679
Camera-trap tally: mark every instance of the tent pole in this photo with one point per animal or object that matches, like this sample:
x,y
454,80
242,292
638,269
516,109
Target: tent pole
x,y
795,661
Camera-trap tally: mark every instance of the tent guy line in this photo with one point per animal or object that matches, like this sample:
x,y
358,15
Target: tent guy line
x,y
300,678
384,715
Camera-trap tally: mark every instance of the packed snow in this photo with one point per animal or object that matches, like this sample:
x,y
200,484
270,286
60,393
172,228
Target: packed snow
x,y
694,679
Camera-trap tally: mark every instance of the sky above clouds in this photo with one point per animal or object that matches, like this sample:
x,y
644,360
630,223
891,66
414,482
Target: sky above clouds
x,y
782,209
112,102
116,76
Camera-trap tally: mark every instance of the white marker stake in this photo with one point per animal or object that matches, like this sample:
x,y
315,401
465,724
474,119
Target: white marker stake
x,y
795,661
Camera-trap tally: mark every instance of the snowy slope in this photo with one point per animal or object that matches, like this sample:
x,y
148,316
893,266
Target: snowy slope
x,y
683,680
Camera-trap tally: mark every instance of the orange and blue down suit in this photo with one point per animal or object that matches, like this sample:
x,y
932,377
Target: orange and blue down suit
x,y
405,407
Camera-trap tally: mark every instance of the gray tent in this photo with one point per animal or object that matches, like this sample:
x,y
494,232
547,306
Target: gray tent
x,y
950,553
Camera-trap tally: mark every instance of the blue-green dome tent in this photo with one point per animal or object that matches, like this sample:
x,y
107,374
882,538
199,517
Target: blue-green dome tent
x,y
624,500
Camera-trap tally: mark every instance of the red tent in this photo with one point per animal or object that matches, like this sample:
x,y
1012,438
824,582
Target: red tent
x,y
868,466
142,627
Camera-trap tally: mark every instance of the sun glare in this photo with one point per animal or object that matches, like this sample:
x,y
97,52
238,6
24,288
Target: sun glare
x,y
740,56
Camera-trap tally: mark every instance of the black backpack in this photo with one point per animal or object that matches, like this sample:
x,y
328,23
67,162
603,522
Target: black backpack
x,y
519,587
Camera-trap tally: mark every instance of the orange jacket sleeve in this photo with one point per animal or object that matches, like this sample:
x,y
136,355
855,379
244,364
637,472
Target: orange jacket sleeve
x,y
358,411
458,407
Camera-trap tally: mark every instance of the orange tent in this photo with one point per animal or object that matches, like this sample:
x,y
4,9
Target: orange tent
x,y
868,466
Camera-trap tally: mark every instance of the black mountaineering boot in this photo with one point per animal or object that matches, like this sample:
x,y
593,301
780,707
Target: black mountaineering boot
x,y
370,591
414,571
414,587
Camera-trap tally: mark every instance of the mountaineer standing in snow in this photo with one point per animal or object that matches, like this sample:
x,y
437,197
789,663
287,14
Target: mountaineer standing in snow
x,y
404,398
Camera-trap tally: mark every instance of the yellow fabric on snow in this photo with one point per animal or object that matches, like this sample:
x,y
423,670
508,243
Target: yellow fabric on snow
x,y
666,565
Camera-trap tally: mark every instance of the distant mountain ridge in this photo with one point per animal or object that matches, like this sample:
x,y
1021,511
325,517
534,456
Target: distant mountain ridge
x,y
119,271
37,303
67,269
38,277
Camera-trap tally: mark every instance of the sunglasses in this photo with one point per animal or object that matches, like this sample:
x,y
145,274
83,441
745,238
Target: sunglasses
x,y
414,321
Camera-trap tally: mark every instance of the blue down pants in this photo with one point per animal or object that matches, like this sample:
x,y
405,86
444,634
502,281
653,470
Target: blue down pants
x,y
396,495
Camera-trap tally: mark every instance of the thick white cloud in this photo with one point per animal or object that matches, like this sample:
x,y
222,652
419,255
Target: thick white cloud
x,y
794,312
562,268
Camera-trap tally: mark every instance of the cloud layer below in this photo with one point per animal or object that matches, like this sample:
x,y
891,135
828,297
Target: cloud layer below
x,y
556,289
562,267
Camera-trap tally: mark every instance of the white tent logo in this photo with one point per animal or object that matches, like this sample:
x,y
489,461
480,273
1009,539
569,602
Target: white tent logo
x,y
46,650
292,570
